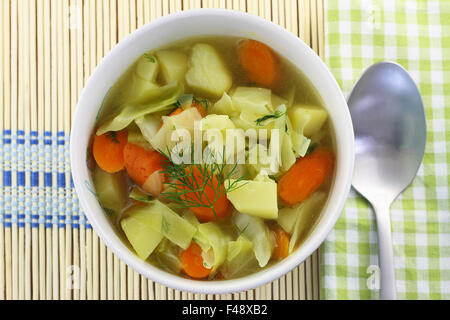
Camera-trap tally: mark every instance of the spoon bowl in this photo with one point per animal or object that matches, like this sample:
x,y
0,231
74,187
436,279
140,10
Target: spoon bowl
x,y
390,135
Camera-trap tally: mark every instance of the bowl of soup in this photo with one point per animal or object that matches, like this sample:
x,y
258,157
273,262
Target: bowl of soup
x,y
212,151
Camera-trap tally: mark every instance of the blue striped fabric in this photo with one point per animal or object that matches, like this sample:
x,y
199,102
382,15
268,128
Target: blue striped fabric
x,y
36,188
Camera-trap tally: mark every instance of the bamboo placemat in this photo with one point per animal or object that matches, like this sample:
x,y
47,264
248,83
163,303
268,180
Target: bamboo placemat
x,y
48,249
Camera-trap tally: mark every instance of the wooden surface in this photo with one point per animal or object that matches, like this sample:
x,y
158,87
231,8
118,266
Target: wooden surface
x,y
49,49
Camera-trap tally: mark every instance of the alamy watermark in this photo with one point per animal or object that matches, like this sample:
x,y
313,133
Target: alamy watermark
x,y
230,146
373,281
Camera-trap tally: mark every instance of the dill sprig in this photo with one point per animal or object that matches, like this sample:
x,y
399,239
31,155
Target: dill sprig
x,y
276,115
241,232
149,57
113,136
187,187
184,98
203,102
311,148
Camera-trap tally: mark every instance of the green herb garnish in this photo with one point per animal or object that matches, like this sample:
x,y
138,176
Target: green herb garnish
x,y
187,186
149,57
276,115
164,225
311,148
113,136
204,102
139,195
243,230
108,211
183,99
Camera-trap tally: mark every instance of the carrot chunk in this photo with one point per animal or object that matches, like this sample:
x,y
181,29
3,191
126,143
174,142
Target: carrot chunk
x,y
192,262
281,251
199,107
305,176
259,62
175,112
143,167
222,206
108,150
194,104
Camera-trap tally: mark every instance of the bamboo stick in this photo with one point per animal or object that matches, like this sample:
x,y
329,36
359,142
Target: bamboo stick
x,y
294,18
56,100
151,290
147,6
315,275
3,39
113,11
76,76
71,265
23,97
321,28
41,159
45,271
31,243
24,230
123,281
116,278
133,19
314,26
165,8
3,149
34,241
78,234
14,107
288,286
144,288
140,13
61,92
68,100
85,233
307,21
130,284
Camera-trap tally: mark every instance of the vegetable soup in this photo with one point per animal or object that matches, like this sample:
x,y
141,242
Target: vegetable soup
x,y
213,157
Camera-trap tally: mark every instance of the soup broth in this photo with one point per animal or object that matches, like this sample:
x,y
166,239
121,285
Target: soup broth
x,y
212,219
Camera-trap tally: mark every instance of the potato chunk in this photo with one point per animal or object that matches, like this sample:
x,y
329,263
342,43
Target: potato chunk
x,y
207,72
174,65
307,119
263,195
139,230
111,190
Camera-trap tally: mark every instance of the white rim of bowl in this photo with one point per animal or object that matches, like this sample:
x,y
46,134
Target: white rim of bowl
x,y
261,277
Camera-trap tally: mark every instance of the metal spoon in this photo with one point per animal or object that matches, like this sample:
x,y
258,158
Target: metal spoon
x,y
390,134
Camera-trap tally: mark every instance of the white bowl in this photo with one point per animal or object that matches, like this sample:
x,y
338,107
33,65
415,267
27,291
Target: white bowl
x,y
211,22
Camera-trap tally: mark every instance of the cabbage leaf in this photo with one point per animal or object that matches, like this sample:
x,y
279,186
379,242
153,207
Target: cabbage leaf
x,y
240,259
257,232
214,244
153,100
164,220
300,218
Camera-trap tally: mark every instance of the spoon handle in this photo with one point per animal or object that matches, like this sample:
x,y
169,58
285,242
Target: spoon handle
x,y
386,252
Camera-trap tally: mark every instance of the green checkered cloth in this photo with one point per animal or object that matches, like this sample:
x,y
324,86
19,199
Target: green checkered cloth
x,y
416,34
